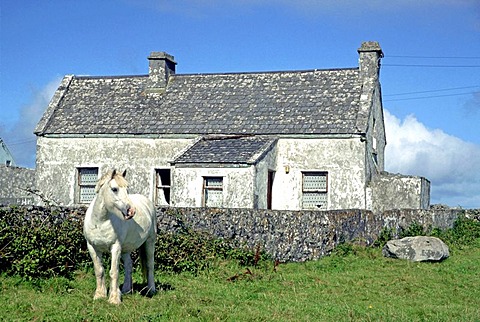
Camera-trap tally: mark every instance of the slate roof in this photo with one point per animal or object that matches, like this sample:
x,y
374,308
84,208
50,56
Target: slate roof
x,y
263,103
247,150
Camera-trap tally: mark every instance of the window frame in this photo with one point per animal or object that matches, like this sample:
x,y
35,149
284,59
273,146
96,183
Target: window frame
x,y
80,185
206,188
166,187
318,191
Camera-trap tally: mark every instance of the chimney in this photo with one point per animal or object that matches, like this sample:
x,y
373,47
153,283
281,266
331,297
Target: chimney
x,y
369,60
160,66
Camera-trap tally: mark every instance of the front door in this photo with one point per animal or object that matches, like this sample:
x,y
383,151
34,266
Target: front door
x,y
271,175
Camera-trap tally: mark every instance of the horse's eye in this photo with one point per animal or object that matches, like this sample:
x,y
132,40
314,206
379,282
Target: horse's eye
x,y
115,189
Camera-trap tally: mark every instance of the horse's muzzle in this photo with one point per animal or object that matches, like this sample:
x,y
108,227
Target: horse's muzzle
x,y
130,212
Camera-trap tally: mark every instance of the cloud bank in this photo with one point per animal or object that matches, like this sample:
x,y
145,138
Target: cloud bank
x,y
451,164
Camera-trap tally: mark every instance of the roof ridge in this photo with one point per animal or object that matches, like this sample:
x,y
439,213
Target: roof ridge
x,y
270,72
219,73
105,77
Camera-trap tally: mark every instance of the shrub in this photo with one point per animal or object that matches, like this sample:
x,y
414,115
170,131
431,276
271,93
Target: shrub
x,y
191,251
464,232
40,244
385,235
415,229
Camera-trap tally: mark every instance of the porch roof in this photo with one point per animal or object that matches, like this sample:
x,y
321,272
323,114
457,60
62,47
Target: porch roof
x,y
235,150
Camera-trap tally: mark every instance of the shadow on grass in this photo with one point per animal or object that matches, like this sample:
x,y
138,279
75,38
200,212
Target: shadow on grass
x,y
142,288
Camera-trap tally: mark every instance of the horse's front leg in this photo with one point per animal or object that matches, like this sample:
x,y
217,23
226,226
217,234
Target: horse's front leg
x,y
101,290
128,267
115,295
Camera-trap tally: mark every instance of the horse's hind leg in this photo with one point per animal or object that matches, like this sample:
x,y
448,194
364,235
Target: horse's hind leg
x,y
101,290
147,260
128,268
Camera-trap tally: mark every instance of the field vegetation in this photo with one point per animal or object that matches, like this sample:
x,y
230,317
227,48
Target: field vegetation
x,y
203,279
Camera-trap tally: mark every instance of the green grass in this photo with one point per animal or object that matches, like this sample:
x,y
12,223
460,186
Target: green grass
x,y
359,286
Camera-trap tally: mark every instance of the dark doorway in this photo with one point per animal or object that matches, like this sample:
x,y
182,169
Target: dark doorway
x,y
271,176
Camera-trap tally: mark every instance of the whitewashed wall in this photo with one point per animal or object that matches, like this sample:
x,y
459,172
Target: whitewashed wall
x,y
397,191
244,186
237,186
58,159
342,158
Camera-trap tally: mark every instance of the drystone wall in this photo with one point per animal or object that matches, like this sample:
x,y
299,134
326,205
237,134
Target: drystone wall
x,y
285,235
298,235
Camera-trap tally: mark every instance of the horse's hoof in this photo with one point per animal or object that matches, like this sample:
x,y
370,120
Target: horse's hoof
x,y
99,296
115,300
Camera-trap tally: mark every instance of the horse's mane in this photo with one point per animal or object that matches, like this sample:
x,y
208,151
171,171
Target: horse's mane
x,y
110,176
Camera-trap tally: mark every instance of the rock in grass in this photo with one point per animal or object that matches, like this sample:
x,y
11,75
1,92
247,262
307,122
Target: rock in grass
x,y
417,249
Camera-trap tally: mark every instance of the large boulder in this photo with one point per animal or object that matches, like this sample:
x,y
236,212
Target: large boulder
x,y
417,249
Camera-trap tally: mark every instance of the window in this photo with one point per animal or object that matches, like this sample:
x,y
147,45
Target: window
x,y
314,189
212,191
86,181
162,187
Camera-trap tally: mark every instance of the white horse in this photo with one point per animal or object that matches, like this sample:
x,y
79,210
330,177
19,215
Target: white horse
x,y
120,223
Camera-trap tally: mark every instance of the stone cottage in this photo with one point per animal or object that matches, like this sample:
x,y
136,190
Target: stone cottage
x,y
307,139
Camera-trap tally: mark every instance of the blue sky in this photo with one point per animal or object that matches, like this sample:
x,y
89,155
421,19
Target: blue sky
x,y
430,74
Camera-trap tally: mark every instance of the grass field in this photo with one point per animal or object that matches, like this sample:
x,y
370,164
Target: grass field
x,y
360,285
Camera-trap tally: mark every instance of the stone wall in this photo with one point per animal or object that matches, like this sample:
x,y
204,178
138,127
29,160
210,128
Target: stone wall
x,y
299,235
285,235
13,184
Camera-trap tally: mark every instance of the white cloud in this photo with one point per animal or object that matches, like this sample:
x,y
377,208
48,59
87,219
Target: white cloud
x,y
451,164
19,137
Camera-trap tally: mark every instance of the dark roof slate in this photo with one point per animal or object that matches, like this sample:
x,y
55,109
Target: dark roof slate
x,y
264,103
236,150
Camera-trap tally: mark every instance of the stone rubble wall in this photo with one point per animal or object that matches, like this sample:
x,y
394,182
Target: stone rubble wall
x,y
299,235
285,235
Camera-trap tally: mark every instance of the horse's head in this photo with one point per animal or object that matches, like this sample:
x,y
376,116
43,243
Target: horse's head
x,y
112,187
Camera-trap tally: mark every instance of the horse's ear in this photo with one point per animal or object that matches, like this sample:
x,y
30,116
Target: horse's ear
x,y
124,173
114,172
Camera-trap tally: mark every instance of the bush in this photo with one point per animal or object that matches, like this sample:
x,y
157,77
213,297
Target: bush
x,y
415,229
191,251
40,243
464,232
385,235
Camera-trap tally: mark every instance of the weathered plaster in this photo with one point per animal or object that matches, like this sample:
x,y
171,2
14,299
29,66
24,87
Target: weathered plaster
x,y
342,158
58,159
396,191
237,186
